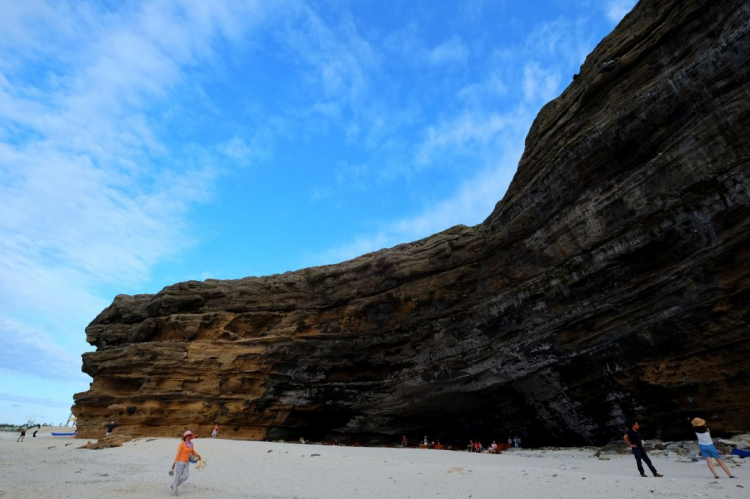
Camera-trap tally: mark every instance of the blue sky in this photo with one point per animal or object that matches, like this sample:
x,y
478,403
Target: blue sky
x,y
148,143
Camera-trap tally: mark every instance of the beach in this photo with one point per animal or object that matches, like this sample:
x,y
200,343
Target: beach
x,y
49,466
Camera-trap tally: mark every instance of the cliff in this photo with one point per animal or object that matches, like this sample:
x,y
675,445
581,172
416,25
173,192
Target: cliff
x,y
611,280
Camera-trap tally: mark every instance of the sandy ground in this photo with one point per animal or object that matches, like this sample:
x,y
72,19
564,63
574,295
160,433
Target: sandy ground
x,y
48,466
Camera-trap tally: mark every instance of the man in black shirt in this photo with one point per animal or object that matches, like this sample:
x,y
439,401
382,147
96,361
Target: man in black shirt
x,y
635,442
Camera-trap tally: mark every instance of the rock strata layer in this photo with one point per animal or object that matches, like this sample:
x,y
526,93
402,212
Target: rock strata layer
x,y
611,280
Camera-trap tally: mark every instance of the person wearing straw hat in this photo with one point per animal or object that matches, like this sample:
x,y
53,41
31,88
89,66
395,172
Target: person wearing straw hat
x,y
181,465
706,445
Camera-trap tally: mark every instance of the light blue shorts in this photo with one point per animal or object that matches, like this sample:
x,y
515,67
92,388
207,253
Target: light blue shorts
x,y
709,451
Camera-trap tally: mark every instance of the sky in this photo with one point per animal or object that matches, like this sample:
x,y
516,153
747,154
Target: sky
x,y
144,143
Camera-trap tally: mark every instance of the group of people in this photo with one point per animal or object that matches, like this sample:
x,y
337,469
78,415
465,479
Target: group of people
x,y
111,428
494,448
23,432
473,446
706,445
186,452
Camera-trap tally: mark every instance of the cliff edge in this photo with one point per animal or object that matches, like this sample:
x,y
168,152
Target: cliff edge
x,y
611,280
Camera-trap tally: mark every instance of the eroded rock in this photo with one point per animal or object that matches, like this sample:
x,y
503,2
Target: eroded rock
x,y
611,280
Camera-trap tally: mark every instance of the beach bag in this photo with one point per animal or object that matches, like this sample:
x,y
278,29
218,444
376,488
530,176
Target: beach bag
x,y
193,458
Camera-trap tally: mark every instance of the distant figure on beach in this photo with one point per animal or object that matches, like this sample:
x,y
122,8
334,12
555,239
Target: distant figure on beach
x,y
181,464
110,428
478,446
510,442
517,442
706,445
470,447
215,432
404,442
493,447
635,442
23,434
34,434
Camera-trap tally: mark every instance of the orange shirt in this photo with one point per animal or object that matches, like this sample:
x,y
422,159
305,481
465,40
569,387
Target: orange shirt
x,y
183,452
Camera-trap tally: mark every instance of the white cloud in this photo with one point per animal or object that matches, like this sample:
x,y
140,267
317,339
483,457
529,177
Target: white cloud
x,y
533,72
45,402
93,194
473,202
540,84
255,147
451,51
337,58
466,130
407,44
355,176
359,246
476,93
615,10
28,350
500,136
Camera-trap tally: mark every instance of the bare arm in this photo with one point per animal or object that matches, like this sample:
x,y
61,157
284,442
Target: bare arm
x,y
627,441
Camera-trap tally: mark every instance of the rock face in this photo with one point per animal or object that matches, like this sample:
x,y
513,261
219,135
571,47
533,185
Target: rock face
x,y
612,280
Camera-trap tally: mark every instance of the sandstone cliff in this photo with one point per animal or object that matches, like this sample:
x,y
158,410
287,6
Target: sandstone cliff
x,y
611,280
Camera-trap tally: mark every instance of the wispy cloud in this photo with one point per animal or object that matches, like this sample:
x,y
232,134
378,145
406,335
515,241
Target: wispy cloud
x,y
46,402
477,130
451,51
335,58
464,131
617,9
476,94
94,191
35,352
473,201
112,133
540,83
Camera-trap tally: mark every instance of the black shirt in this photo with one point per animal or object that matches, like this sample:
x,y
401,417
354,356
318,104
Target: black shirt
x,y
635,438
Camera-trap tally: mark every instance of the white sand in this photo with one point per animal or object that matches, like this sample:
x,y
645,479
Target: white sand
x,y
54,467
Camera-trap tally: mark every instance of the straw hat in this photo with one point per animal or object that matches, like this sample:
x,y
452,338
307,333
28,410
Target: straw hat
x,y
187,433
699,422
